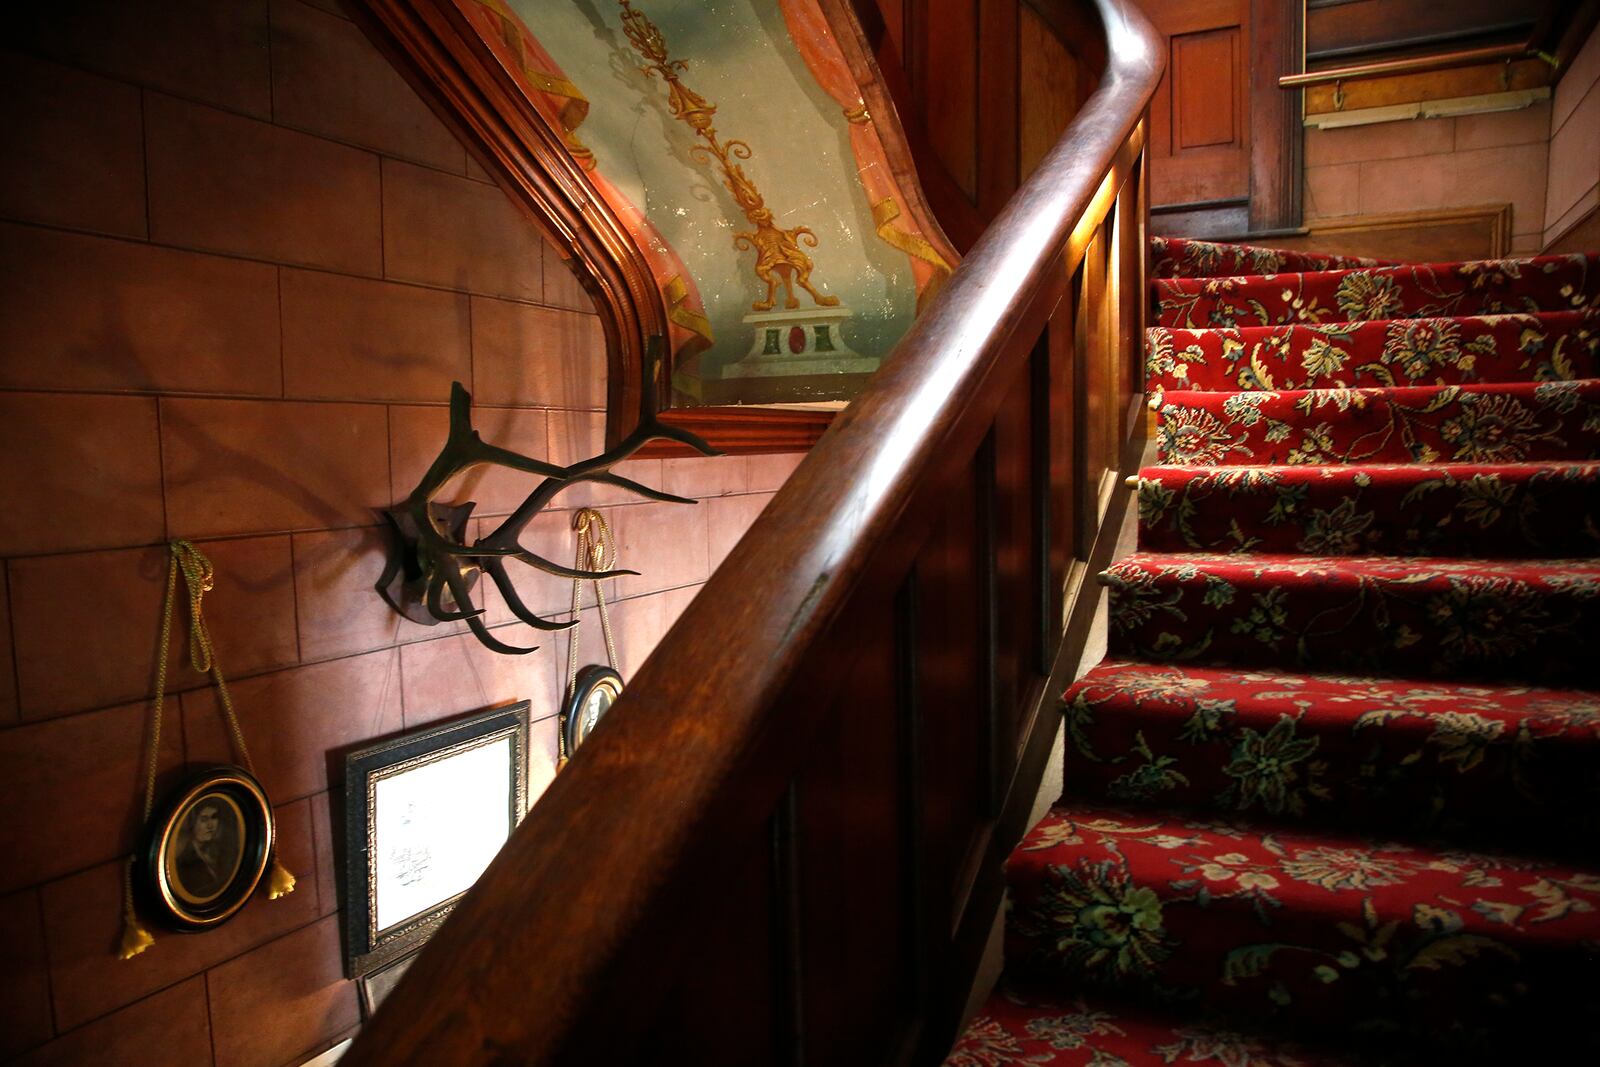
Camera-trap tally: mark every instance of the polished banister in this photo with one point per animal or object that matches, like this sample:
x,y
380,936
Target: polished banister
x,y
703,747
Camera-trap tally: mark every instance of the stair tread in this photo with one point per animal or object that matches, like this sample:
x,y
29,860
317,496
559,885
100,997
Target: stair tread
x,y
1429,290
1306,472
1545,346
1407,754
1187,257
1407,569
1511,618
1545,509
1074,1029
1498,422
1478,272
1333,929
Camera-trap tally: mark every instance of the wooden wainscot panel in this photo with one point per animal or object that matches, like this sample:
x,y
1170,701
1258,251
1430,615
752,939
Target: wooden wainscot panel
x,y
1483,80
1413,236
1200,141
1580,238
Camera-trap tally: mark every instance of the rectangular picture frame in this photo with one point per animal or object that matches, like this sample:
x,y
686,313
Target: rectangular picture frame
x,y
424,813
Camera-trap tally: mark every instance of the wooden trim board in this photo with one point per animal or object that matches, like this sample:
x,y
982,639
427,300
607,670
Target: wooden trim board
x,y
1445,235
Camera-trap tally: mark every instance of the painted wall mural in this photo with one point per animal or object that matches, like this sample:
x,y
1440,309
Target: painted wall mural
x,y
732,140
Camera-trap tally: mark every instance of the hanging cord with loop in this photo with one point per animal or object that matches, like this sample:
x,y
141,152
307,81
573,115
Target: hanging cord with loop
x,y
597,551
199,576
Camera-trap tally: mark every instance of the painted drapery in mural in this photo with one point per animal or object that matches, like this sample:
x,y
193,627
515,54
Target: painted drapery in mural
x,y
813,37
731,138
564,107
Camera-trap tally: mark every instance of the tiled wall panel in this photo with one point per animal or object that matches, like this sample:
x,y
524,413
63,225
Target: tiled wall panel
x,y
1574,193
1431,164
242,263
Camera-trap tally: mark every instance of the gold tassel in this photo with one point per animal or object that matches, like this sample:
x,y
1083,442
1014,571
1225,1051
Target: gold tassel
x,y
560,763
282,883
135,938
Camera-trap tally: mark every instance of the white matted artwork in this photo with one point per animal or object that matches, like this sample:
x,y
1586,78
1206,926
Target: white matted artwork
x,y
425,814
431,839
332,1056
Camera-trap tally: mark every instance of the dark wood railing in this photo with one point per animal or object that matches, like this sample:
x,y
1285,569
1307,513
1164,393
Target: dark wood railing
x,y
784,845
1384,68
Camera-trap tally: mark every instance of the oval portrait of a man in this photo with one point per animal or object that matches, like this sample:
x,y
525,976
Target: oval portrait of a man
x,y
206,848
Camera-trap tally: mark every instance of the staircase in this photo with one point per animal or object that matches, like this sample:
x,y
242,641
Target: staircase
x,y
1335,795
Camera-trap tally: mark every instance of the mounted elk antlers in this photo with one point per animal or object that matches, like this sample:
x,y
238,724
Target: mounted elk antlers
x,y
430,579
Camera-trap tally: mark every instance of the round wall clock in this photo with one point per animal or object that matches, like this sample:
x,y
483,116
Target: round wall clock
x,y
593,692
208,847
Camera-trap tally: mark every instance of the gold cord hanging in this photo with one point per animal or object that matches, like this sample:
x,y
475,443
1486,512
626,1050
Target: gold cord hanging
x,y
199,576
597,551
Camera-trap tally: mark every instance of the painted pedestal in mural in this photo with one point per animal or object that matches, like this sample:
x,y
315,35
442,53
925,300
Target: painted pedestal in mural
x,y
801,342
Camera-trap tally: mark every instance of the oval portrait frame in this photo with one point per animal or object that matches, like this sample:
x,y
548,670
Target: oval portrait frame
x,y
575,725
239,820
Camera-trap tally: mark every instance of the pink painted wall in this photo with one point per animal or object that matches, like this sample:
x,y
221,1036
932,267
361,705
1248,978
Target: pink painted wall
x,y
1428,164
1574,189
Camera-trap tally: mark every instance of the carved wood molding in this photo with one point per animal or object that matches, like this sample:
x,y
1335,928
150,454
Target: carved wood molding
x,y
744,429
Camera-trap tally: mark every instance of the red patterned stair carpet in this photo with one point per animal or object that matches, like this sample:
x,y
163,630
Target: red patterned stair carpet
x,y
1335,795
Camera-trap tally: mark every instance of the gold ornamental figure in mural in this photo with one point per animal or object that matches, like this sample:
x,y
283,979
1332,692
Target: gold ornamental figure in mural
x,y
779,257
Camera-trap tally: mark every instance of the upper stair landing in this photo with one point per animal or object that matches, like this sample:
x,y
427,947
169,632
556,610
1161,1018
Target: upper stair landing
x,y
1181,257
1430,290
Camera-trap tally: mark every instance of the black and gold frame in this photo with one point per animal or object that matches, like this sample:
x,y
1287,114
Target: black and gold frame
x,y
424,814
207,849
594,690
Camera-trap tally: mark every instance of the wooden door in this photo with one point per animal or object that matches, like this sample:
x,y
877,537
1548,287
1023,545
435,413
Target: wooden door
x,y
1199,125
1224,139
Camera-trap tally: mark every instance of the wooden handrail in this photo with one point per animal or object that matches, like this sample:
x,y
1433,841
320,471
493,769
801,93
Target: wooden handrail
x,y
1460,57
702,748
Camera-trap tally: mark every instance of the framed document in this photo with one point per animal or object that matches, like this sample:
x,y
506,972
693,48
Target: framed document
x,y
424,815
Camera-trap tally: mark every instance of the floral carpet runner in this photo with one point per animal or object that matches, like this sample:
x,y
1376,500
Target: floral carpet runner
x,y
1334,798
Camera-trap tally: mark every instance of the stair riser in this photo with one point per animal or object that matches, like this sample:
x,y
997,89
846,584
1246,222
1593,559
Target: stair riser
x,y
1491,763
1511,423
1463,624
1338,937
1542,512
1517,348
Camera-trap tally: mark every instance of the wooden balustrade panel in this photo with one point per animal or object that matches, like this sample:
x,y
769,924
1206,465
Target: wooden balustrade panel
x,y
1019,495
785,844
1065,542
853,875
832,920
724,942
1133,300
960,771
1096,403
